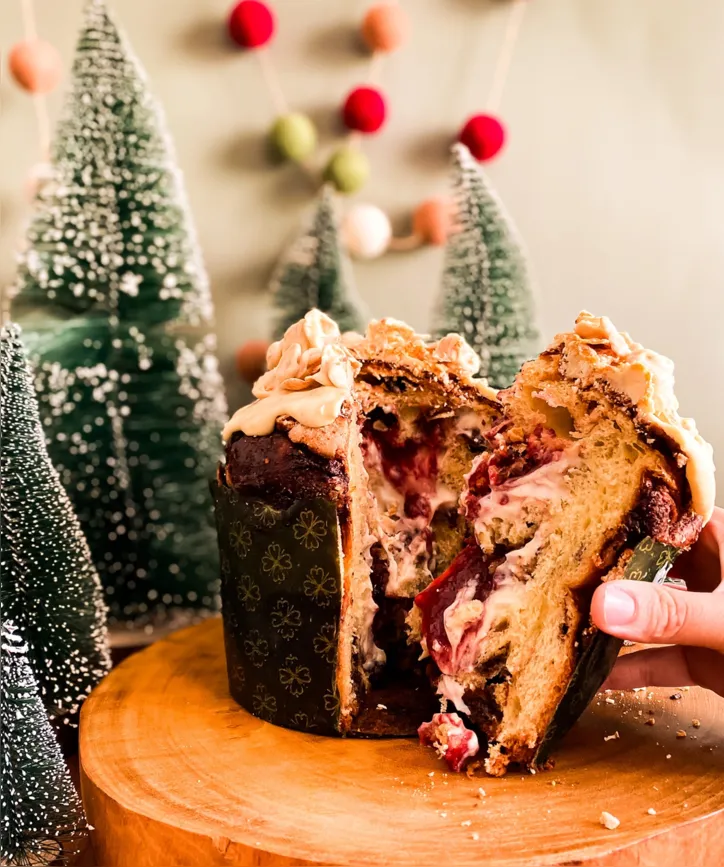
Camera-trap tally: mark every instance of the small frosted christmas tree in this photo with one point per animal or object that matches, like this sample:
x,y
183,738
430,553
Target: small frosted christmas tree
x,y
41,816
48,585
116,311
486,293
316,272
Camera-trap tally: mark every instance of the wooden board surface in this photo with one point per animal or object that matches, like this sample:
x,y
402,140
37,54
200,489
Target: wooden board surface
x,y
175,773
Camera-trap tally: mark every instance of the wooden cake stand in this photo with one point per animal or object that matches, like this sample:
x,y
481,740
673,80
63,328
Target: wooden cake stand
x,y
175,773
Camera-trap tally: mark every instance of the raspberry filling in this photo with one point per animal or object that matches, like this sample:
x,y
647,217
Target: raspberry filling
x,y
453,742
468,575
509,460
409,465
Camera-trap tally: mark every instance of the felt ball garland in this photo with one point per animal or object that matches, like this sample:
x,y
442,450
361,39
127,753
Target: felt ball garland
x,y
384,29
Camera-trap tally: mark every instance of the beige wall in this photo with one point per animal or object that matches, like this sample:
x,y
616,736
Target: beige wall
x,y
614,171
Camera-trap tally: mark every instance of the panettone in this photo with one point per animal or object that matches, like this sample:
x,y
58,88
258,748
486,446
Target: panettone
x,y
403,548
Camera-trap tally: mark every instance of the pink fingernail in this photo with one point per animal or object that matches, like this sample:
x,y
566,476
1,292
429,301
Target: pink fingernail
x,y
619,607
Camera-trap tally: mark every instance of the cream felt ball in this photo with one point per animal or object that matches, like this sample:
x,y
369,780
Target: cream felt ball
x,y
366,231
294,136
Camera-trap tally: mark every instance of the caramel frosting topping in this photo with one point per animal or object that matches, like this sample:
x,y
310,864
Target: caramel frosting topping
x,y
309,378
311,370
646,378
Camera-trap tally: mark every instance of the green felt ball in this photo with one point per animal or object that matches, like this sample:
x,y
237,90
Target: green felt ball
x,y
294,136
348,169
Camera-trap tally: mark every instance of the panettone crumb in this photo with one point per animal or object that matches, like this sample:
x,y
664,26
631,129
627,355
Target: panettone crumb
x,y
696,723
681,733
475,835
608,820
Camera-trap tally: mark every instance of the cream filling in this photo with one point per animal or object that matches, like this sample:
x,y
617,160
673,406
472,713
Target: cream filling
x,y
402,538
452,690
506,503
468,621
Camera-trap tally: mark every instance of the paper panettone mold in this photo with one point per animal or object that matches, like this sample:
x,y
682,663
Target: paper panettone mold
x,y
281,595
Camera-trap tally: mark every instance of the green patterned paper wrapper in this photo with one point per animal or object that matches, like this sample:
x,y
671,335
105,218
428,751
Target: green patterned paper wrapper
x,y
281,589
651,561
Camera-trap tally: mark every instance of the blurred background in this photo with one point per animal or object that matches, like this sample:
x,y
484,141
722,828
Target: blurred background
x,y
613,168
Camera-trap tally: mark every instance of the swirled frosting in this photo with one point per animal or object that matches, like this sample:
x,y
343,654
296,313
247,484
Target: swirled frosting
x,y
311,370
646,379
309,378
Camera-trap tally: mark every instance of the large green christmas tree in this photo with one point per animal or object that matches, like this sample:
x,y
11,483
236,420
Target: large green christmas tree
x,y
116,310
48,585
41,816
486,293
316,272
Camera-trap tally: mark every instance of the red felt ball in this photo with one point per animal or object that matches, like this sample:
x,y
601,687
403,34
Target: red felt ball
x,y
251,24
35,65
251,360
364,110
483,135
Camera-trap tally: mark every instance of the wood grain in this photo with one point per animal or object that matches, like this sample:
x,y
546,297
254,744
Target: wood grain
x,y
175,773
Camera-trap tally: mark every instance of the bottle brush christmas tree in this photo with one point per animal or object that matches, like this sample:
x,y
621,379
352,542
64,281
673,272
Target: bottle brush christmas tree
x,y
316,272
48,585
486,293
41,816
117,312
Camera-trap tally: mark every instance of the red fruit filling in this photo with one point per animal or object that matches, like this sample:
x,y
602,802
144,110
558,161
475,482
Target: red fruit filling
x,y
446,732
408,464
510,460
468,570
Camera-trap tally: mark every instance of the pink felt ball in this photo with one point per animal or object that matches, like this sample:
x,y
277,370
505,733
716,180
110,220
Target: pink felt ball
x,y
483,135
35,65
433,220
364,110
251,24
385,27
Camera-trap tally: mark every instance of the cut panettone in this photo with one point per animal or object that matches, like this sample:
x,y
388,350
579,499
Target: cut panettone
x,y
369,437
589,459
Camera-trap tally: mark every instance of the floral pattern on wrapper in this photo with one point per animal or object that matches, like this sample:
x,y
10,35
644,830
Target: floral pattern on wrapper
x,y
281,598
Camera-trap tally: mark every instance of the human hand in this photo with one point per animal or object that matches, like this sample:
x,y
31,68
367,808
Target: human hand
x,y
691,620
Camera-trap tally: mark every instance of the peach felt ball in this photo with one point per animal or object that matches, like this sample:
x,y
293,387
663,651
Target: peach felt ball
x,y
385,27
35,65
